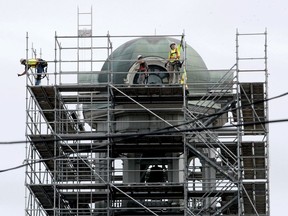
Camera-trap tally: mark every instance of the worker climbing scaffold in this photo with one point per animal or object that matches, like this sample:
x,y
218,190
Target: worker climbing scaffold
x,y
39,64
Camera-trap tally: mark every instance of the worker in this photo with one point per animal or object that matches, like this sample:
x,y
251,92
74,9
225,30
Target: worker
x,y
174,63
143,69
39,64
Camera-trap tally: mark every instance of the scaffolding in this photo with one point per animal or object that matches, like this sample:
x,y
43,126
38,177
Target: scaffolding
x,y
118,148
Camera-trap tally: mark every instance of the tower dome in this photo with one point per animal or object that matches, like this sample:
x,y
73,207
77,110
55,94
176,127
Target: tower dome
x,y
155,51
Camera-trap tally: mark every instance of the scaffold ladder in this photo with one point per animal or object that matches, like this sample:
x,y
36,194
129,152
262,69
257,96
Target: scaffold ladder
x,y
252,113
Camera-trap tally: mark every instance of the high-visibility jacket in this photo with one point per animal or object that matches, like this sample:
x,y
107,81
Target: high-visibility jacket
x,y
174,54
32,63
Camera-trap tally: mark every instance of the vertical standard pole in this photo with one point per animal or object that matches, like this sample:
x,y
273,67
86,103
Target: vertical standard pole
x,y
91,39
26,135
55,60
27,53
267,126
240,210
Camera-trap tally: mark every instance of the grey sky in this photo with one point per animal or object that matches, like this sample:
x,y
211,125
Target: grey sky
x,y
209,26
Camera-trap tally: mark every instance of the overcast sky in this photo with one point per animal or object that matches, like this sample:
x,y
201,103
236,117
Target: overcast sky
x,y
210,27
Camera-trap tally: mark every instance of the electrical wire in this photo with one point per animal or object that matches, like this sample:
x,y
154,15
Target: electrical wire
x,y
162,131
143,134
174,126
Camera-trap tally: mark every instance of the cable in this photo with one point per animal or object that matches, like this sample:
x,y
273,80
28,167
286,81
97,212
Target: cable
x,y
27,164
223,112
157,132
14,142
174,126
145,134
189,122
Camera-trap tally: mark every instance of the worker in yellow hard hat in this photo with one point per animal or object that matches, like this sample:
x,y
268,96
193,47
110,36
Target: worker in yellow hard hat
x,y
173,63
39,64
